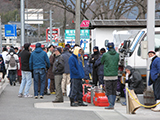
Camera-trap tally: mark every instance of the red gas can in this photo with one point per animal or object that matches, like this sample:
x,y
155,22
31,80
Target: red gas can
x,y
88,97
84,97
102,101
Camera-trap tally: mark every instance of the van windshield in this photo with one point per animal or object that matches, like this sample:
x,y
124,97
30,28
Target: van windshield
x,y
136,40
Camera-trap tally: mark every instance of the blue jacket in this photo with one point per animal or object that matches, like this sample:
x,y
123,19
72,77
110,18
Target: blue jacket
x,y
66,55
76,68
87,68
99,66
38,59
154,69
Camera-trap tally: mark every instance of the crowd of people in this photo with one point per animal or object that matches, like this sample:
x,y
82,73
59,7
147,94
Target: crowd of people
x,y
54,68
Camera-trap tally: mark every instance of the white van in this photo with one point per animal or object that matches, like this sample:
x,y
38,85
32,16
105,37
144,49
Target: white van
x,y
130,52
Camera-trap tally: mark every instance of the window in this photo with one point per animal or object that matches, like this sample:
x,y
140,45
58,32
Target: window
x,y
157,43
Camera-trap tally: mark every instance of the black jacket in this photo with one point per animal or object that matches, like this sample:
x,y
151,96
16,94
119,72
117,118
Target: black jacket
x,y
94,57
25,55
58,66
135,81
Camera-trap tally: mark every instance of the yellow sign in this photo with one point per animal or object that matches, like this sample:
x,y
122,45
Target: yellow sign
x,y
61,44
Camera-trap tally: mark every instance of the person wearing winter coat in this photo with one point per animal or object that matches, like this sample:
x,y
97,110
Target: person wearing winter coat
x,y
134,81
110,61
154,78
26,72
58,70
38,62
50,75
92,60
76,74
2,67
100,67
12,64
87,67
66,75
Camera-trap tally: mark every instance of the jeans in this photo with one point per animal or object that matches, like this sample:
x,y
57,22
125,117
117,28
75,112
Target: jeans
x,y
39,74
76,89
12,76
26,82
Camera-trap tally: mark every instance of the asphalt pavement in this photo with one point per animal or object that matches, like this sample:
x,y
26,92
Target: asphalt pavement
x,y
14,108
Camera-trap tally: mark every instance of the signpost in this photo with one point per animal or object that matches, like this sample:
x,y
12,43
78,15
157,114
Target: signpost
x,y
10,30
55,35
84,38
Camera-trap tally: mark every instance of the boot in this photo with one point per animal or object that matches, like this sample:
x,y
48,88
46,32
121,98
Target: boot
x,y
72,103
111,104
157,108
81,103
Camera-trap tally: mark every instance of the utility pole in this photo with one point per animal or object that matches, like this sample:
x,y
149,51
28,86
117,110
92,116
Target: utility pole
x,y
0,36
50,27
150,31
77,27
22,23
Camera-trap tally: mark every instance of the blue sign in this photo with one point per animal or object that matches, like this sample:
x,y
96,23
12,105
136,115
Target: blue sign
x,y
10,31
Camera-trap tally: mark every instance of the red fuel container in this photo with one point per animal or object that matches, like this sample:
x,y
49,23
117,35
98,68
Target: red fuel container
x,y
102,101
88,97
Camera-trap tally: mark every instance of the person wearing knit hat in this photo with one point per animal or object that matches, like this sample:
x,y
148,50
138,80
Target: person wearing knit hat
x,y
39,62
100,67
92,60
58,70
110,60
66,75
154,78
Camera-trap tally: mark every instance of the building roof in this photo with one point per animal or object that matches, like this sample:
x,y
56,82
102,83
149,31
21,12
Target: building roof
x,y
121,23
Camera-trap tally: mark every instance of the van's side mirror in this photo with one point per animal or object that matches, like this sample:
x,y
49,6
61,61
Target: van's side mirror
x,y
144,49
126,44
106,43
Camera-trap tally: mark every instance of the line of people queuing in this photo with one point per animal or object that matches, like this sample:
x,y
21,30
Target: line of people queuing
x,y
55,68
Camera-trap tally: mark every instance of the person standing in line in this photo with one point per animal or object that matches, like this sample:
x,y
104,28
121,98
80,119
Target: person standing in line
x,y
58,70
38,62
50,75
154,78
2,68
92,59
12,63
76,74
50,50
110,61
26,72
66,75
4,53
100,67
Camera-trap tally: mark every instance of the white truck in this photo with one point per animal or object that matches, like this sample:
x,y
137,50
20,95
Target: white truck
x,y
132,53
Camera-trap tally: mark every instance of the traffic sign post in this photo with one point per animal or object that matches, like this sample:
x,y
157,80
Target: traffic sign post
x,y
55,35
10,30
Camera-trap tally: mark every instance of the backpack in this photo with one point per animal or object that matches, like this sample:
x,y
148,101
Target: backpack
x,y
12,61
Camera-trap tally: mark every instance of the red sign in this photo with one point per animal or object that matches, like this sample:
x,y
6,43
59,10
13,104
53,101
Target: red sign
x,y
55,34
85,23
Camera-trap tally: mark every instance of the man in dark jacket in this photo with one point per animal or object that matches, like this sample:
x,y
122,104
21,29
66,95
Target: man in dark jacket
x,y
37,63
155,78
76,74
134,81
93,58
66,75
58,70
26,72
100,67
110,61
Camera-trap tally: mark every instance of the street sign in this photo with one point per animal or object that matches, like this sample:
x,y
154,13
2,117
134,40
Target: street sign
x,y
84,38
10,30
85,23
55,34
